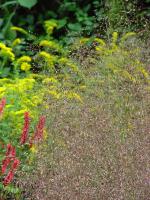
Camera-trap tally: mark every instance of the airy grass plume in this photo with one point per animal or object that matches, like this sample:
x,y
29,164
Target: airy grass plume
x,y
126,36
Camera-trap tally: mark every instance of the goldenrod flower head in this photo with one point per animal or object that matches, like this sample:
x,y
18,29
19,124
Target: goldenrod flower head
x,y
77,97
127,75
50,80
100,41
2,46
21,30
55,94
114,38
2,89
36,100
8,54
82,87
16,42
20,112
23,59
98,48
126,36
25,66
69,63
6,51
84,40
45,55
50,25
143,71
63,60
46,43
34,149
45,135
51,44
50,59
73,95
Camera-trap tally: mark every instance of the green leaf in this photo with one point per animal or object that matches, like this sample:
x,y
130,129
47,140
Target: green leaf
x,y
62,23
27,3
9,3
1,186
75,26
4,72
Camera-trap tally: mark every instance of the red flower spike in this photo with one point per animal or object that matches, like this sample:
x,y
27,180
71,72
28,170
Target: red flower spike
x,y
2,105
13,152
5,164
10,151
25,130
10,156
15,164
8,178
40,128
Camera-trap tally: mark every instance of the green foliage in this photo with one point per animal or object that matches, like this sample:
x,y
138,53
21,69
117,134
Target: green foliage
x,y
74,17
21,96
27,3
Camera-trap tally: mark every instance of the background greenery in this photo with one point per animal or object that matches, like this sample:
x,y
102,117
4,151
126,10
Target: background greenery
x,y
74,17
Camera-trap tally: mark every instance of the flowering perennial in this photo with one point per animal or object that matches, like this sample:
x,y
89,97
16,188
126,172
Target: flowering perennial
x,y
8,178
25,130
10,163
2,105
9,156
38,134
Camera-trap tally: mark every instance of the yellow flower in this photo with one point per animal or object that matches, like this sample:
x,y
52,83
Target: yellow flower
x,y
45,134
82,87
8,54
49,26
33,149
114,38
127,75
23,59
73,95
143,71
6,51
50,59
21,30
25,66
84,40
55,94
126,36
45,55
16,42
2,46
20,112
63,60
2,89
69,63
49,80
100,41
51,44
99,49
